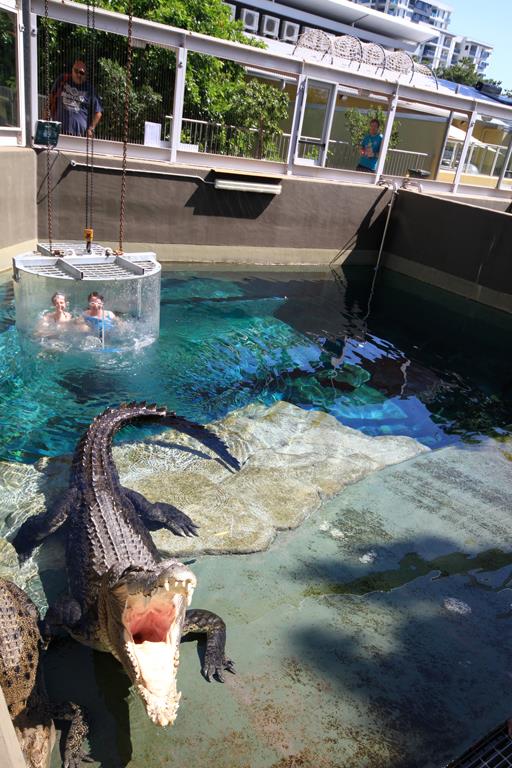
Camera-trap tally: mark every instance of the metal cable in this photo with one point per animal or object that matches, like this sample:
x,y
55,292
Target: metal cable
x,y
89,140
48,117
126,125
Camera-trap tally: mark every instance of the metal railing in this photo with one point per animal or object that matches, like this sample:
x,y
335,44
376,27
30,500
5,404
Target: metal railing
x,y
483,159
217,138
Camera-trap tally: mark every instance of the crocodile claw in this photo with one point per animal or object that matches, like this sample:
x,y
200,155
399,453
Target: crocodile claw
x,y
179,523
213,670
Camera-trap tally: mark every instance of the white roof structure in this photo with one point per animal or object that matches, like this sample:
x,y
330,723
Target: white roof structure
x,y
359,17
341,17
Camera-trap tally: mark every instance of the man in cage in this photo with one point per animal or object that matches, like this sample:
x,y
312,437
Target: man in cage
x,y
74,103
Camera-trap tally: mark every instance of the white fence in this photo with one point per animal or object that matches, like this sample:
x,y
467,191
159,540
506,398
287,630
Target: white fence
x,y
217,138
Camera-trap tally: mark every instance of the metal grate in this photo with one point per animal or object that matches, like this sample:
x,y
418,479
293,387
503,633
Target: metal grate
x,y
78,246
493,751
70,261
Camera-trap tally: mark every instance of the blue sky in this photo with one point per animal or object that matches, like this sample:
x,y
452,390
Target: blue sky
x,y
489,21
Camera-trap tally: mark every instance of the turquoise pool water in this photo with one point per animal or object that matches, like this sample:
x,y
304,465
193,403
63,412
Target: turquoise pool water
x,y
411,361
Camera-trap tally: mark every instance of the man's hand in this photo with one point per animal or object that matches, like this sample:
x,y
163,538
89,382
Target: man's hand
x,y
90,132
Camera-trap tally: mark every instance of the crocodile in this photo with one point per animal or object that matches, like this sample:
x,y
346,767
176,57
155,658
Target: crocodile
x,y
22,682
123,598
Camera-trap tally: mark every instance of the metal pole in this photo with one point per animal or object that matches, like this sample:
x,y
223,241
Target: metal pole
x,y
298,117
33,113
443,146
387,136
25,73
329,117
505,164
463,154
177,109
496,156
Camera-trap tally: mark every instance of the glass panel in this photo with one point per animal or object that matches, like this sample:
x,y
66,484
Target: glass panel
x,y
248,116
8,75
310,140
420,132
486,154
351,124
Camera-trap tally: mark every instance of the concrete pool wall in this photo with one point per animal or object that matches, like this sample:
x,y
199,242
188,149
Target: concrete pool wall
x,y
459,244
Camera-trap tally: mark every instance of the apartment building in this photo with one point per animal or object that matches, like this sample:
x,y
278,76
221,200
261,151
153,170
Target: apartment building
x,y
418,11
445,48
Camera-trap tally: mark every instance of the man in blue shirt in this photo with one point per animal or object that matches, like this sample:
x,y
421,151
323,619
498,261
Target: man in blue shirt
x,y
74,103
370,148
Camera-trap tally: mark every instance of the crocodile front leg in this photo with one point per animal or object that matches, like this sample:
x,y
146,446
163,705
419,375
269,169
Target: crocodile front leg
x,y
65,613
215,661
37,528
78,730
161,515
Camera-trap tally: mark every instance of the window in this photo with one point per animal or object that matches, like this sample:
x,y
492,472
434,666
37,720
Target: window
x,y
8,77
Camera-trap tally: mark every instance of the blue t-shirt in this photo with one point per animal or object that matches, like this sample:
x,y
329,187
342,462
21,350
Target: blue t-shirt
x,y
374,142
73,105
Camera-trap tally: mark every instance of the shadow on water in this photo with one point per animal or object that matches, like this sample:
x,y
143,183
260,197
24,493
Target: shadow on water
x,y
411,566
413,648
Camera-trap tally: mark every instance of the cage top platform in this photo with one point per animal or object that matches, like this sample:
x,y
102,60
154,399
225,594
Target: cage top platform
x,y
70,260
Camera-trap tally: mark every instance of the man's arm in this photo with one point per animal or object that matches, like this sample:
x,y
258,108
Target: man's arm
x,y
94,122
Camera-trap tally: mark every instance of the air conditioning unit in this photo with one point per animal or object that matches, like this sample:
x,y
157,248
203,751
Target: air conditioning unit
x,y
270,26
290,32
232,9
250,19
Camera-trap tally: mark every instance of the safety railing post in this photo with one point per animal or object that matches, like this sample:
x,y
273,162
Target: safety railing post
x,y
179,93
387,136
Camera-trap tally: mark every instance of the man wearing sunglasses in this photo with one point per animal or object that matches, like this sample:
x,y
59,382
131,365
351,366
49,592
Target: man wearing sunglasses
x,y
74,103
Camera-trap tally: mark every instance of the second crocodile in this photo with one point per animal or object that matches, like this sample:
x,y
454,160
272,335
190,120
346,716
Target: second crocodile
x,y
123,598
22,683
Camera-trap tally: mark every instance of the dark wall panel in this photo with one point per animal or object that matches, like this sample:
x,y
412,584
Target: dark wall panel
x,y
186,210
471,243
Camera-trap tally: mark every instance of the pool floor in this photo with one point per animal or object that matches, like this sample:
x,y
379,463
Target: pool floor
x,y
374,635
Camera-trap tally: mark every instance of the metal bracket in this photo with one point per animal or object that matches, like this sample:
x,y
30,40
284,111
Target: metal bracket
x,y
69,269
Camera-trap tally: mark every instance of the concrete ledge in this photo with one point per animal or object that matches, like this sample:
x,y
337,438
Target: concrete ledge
x,y
449,282
17,195
245,254
7,254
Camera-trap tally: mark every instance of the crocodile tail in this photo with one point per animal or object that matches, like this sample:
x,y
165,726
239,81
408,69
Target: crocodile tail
x,y
203,435
113,419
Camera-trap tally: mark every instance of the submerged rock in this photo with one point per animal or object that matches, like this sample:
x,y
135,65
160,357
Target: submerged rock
x,y
292,460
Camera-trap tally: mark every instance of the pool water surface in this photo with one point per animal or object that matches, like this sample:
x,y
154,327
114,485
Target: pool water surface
x,y
403,359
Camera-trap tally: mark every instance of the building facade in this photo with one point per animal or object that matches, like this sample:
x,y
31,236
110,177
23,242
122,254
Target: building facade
x,y
284,21
445,48
416,26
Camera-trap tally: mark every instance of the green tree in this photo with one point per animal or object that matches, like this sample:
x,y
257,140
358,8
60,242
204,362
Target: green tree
x,y
112,85
216,90
464,72
357,123
260,109
7,50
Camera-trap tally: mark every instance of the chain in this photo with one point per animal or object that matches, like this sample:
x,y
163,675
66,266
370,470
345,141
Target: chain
x,y
126,125
48,117
89,140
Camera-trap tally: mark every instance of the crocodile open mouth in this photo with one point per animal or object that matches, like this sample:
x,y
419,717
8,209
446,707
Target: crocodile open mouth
x,y
153,625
